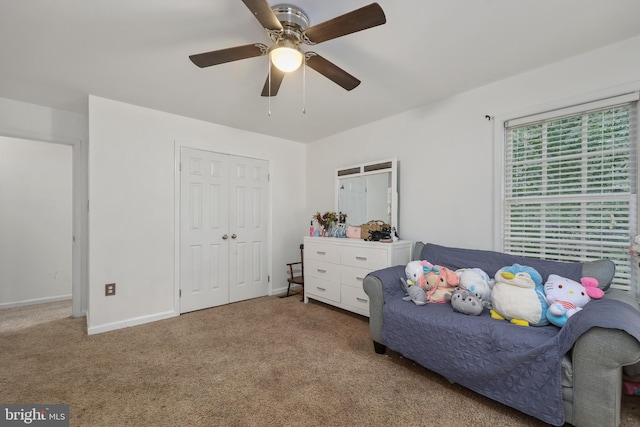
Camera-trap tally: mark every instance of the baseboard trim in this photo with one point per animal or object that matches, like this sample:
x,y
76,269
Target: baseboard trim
x,y
283,290
136,321
34,301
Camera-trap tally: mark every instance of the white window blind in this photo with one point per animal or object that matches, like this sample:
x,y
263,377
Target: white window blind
x,y
570,185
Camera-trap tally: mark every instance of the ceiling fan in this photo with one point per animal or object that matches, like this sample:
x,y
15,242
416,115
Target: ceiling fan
x,y
288,28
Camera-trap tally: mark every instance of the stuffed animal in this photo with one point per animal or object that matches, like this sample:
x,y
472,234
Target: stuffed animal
x,y
518,296
631,373
414,273
466,302
566,297
416,294
440,283
414,281
476,281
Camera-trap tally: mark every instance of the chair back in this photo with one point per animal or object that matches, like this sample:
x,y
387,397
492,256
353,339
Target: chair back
x,y
302,257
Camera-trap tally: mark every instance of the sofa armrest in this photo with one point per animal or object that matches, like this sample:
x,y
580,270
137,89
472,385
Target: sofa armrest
x,y
382,286
373,288
598,358
416,254
603,270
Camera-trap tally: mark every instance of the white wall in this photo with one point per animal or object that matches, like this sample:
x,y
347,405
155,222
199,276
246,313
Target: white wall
x,y
23,120
446,150
39,123
35,222
132,214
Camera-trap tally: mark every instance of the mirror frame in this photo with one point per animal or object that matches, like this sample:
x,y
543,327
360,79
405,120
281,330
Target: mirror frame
x,y
366,169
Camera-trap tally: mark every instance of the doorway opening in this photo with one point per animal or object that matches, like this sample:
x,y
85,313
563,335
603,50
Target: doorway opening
x,y
40,223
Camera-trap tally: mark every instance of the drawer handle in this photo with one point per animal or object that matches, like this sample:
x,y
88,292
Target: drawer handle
x,y
321,253
321,270
320,289
361,258
361,300
359,279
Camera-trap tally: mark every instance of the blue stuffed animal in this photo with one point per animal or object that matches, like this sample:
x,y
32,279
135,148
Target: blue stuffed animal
x,y
518,296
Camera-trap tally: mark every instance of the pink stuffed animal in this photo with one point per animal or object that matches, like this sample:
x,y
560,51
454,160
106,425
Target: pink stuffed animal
x,y
566,297
440,282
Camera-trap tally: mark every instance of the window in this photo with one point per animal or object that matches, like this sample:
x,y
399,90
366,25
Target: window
x,y
570,185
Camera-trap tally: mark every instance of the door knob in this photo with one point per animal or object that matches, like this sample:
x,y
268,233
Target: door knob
x,y
225,237
233,236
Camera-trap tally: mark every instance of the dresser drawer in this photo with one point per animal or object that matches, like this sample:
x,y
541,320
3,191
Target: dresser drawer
x,y
369,258
355,297
314,286
352,276
323,252
322,270
335,268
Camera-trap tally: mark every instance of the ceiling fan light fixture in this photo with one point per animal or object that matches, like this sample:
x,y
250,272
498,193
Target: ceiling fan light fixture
x,y
286,56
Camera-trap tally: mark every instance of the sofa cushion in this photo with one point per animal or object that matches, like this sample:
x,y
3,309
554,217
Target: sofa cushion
x,y
491,262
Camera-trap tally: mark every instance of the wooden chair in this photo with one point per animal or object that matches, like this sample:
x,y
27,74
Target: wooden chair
x,y
297,280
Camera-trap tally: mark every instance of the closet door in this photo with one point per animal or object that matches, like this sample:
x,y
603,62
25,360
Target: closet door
x,y
204,230
248,204
223,226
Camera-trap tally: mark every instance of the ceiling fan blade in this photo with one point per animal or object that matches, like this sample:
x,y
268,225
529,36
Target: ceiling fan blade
x,y
331,71
221,56
351,22
263,13
276,79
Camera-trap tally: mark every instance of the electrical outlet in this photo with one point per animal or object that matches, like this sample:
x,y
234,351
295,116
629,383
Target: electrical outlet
x,y
109,289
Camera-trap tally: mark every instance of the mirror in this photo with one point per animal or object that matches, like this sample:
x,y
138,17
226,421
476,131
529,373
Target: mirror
x,y
368,192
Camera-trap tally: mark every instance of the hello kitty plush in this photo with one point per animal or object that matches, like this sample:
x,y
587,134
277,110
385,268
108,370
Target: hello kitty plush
x,y
566,297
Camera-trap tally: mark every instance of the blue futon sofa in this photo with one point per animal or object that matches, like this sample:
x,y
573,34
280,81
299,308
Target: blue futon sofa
x,y
571,374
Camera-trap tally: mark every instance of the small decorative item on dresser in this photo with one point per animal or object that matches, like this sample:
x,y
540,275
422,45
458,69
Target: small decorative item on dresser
x,y
371,226
394,234
326,221
340,230
353,232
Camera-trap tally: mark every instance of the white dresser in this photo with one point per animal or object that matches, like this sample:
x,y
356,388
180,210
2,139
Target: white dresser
x,y
334,269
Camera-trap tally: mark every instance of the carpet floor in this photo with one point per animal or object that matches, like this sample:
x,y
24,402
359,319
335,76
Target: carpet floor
x,y
267,361
16,318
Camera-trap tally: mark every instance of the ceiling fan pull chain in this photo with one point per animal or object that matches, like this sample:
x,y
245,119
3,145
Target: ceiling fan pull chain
x,y
304,84
269,74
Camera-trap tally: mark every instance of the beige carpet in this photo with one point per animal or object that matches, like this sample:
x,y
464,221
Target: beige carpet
x,y
268,361
16,318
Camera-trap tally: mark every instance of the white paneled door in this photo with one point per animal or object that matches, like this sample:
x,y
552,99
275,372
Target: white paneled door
x,y
353,199
223,229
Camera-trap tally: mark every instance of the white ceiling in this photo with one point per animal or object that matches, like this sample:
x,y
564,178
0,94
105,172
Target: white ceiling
x,y
55,53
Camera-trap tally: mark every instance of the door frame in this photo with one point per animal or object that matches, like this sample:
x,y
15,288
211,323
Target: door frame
x,y
79,215
178,146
